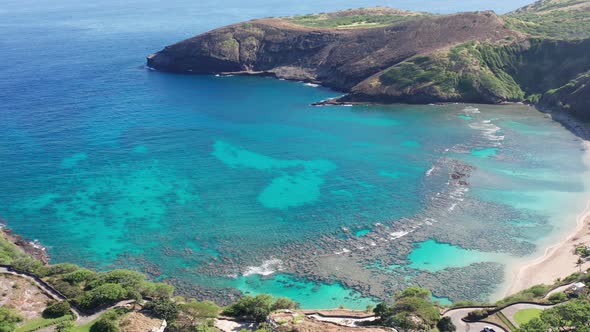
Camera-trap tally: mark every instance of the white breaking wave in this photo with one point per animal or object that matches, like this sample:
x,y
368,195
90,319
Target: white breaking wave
x,y
313,85
471,110
488,129
429,172
267,268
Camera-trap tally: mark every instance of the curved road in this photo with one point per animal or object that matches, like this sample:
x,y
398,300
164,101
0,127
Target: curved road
x,y
456,316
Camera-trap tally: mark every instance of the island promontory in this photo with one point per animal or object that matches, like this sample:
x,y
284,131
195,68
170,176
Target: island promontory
x,y
538,54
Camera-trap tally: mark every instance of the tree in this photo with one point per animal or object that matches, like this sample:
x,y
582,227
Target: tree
x,y
557,297
102,295
415,292
383,310
8,319
105,325
284,303
57,309
446,325
66,326
251,307
575,314
164,308
579,263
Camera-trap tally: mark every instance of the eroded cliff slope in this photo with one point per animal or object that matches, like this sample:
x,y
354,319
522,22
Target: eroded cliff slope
x,y
536,54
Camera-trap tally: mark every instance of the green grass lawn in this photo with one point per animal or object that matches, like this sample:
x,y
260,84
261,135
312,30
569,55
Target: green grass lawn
x,y
525,315
39,322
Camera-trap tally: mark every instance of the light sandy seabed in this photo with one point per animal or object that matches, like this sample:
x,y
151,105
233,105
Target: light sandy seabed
x,y
559,260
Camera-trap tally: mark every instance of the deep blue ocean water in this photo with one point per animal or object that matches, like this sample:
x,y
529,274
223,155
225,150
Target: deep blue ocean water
x,y
110,164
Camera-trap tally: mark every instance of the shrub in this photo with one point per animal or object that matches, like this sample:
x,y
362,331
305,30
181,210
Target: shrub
x,y
65,326
557,297
8,319
78,276
57,309
284,303
62,269
105,325
415,292
477,315
68,290
164,308
102,295
446,325
251,307
419,307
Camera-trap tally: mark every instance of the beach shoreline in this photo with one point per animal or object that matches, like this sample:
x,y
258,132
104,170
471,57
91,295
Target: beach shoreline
x,y
558,260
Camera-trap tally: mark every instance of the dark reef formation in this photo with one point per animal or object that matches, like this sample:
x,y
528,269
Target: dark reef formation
x,y
537,54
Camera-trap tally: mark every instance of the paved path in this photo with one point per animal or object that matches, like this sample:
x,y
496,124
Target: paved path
x,y
81,318
341,320
457,314
510,311
559,289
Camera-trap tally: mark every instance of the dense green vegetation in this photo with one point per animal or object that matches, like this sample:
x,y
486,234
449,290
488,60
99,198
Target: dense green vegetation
x,y
411,310
472,71
258,307
559,19
535,293
574,314
8,319
57,309
358,18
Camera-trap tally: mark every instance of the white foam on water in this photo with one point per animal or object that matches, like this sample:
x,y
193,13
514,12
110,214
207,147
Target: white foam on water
x,y
429,172
489,130
471,110
267,268
313,85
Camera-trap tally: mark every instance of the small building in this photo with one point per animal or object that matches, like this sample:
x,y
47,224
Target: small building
x,y
576,289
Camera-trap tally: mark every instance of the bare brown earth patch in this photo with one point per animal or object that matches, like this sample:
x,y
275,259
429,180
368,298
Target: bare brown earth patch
x,y
139,322
28,299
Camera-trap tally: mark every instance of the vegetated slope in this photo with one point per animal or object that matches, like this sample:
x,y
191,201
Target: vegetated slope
x,y
479,72
536,54
572,97
560,19
356,18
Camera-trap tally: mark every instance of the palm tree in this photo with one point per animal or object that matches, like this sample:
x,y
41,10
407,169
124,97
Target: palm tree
x,y
579,263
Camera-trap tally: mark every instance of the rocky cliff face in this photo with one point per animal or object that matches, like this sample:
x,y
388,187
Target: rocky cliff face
x,y
337,58
385,55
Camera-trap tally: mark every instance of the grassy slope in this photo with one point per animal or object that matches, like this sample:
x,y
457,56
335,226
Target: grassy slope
x,y
467,72
525,315
356,18
550,66
559,19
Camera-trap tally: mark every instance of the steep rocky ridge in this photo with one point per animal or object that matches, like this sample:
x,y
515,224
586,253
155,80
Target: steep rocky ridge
x,y
536,54
337,58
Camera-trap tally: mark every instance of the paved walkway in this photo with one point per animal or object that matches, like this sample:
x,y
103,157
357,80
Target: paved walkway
x,y
510,311
81,318
559,289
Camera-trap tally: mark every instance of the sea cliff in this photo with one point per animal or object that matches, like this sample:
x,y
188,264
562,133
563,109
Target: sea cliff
x,y
384,55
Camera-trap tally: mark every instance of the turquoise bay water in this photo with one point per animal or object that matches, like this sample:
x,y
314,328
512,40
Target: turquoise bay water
x,y
112,165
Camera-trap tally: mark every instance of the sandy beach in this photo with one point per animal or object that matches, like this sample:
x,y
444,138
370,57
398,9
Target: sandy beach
x,y
558,260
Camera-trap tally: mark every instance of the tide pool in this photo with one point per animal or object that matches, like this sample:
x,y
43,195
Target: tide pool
x,y
434,256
